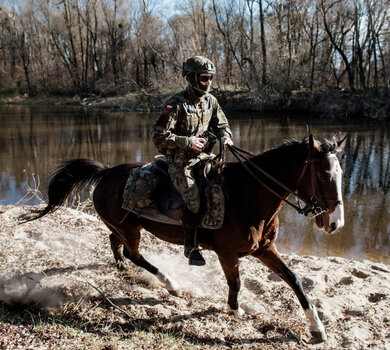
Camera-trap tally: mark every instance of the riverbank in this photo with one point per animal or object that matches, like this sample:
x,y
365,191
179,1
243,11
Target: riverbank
x,y
59,289
332,104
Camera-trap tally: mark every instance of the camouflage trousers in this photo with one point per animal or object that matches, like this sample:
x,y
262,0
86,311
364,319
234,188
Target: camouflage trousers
x,y
184,181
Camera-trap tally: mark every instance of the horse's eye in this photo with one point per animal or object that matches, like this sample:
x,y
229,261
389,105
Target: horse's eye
x,y
323,175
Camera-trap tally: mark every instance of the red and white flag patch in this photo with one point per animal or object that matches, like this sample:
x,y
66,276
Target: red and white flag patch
x,y
168,107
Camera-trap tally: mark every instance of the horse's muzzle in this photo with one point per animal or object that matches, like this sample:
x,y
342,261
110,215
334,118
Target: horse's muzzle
x,y
335,220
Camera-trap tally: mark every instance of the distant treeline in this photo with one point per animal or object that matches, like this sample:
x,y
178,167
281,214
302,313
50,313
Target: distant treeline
x,y
272,47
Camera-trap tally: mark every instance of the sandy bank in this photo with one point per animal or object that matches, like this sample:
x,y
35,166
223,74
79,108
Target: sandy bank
x,y
53,263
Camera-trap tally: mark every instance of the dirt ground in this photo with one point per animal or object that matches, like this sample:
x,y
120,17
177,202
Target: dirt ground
x,y
59,289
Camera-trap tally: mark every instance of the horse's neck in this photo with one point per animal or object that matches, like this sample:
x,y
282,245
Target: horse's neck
x,y
284,164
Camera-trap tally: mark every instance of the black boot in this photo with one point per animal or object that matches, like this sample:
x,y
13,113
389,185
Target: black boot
x,y
190,222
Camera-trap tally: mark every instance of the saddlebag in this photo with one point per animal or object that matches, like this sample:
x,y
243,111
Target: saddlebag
x,y
139,187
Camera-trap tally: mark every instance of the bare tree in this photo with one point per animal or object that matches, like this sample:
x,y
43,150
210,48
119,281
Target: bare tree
x,y
21,40
338,23
196,12
111,45
115,34
224,18
5,41
377,12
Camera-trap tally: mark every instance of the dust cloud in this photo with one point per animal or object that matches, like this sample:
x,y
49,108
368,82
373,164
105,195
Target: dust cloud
x,y
31,288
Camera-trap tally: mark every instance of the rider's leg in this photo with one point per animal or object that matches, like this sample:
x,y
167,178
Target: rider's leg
x,y
190,221
184,182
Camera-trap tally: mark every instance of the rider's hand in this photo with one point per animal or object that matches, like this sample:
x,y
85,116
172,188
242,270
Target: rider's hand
x,y
227,141
197,143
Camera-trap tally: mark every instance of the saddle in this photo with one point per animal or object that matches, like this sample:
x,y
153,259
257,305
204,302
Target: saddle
x,y
149,193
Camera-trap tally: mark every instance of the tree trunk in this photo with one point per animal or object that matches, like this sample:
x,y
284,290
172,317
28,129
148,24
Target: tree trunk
x,y
25,61
359,50
288,36
264,77
313,49
72,54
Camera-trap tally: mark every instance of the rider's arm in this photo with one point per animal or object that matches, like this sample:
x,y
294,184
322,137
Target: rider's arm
x,y
163,132
219,122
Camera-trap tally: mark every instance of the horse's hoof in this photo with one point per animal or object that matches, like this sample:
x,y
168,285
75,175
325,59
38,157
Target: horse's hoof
x,y
176,293
121,266
239,313
319,336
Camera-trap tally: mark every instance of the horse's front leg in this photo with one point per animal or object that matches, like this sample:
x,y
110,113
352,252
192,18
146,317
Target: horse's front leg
x,y
271,258
229,263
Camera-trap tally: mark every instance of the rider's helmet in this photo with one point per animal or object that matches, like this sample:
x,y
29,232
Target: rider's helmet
x,y
193,67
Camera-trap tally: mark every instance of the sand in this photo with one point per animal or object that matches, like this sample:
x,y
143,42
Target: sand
x,y
63,262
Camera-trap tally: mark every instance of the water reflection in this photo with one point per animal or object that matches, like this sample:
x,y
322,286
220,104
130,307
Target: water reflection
x,y
33,140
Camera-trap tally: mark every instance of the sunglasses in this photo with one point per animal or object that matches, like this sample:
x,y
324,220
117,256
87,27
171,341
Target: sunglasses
x,y
205,78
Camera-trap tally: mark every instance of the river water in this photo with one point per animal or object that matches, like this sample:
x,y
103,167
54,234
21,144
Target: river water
x,y
34,139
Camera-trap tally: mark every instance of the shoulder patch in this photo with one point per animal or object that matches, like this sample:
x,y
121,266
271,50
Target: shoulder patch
x,y
173,103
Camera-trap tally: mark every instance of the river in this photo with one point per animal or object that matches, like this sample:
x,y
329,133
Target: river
x,y
34,139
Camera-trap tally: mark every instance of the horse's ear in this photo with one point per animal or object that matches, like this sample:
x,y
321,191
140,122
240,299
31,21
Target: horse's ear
x,y
308,128
340,143
311,143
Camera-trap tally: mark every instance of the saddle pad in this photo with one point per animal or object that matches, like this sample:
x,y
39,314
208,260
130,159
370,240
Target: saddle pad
x,y
147,195
151,215
214,214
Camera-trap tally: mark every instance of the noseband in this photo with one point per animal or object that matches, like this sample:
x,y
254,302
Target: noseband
x,y
314,206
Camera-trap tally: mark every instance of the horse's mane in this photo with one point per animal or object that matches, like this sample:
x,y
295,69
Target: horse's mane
x,y
325,146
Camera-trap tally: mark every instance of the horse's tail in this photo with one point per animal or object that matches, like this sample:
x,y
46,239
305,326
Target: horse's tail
x,y
69,178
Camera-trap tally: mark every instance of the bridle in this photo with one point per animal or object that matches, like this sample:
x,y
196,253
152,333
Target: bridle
x,y
314,205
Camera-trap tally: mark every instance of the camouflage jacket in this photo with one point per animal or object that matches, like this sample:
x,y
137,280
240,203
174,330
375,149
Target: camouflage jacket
x,y
182,118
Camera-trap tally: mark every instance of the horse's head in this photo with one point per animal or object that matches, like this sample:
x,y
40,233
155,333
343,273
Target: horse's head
x,y
322,181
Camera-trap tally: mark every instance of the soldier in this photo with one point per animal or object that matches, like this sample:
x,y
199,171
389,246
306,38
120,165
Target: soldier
x,y
177,134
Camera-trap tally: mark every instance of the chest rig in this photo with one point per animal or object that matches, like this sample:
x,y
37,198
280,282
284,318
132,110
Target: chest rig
x,y
194,117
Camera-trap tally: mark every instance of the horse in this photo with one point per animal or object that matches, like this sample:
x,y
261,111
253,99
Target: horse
x,y
255,190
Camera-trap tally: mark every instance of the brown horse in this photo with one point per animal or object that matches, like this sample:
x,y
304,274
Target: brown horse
x,y
308,168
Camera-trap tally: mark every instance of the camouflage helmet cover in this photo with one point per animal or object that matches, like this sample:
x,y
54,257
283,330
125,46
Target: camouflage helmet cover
x,y
198,64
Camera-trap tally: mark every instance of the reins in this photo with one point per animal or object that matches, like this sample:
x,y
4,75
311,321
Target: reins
x,y
311,207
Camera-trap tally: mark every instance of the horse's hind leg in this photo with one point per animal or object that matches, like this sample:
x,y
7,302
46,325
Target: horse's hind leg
x,y
119,251
229,263
271,258
128,237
